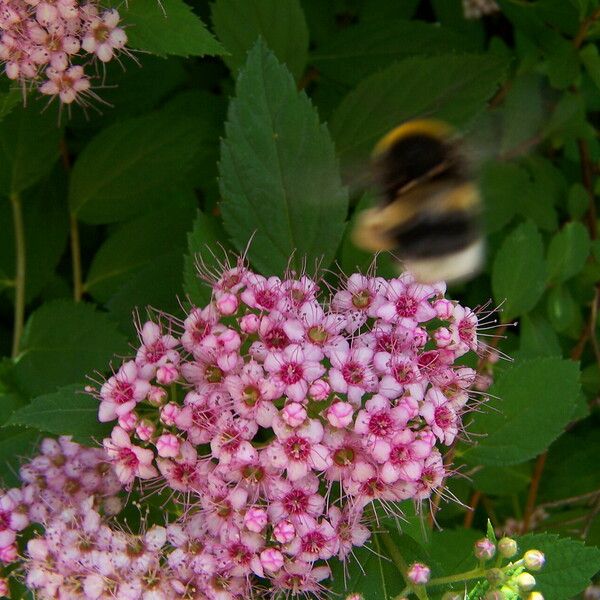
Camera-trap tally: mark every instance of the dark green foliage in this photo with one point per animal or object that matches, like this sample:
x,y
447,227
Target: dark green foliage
x,y
255,119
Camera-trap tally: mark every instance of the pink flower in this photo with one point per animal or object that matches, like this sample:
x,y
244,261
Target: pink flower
x,y
156,349
103,36
360,300
440,416
185,472
262,293
464,330
120,394
299,450
284,532
166,374
295,501
319,390
130,461
352,373
406,299
68,84
295,368
314,541
407,456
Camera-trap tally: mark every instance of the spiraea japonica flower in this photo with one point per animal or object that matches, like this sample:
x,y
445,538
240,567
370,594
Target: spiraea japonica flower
x,y
49,44
277,420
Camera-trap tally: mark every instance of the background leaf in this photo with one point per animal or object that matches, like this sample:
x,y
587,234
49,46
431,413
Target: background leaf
x,y
519,271
567,252
281,23
167,27
62,343
278,171
540,391
68,411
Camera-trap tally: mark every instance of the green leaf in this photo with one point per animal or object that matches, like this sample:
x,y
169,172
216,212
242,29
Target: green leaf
x,y
538,338
567,252
578,201
450,87
157,284
278,172
569,564
502,481
8,101
561,308
68,411
532,403
138,243
591,61
44,210
204,245
16,444
62,343
133,165
29,147
452,550
281,23
519,271
167,27
501,186
356,52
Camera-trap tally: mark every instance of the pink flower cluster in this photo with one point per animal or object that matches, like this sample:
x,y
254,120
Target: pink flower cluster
x,y
279,418
40,40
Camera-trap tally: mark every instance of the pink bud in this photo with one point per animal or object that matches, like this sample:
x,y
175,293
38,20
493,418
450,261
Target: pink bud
x,y
284,532
294,414
443,308
166,374
230,340
484,549
157,396
8,554
128,421
249,323
227,304
168,445
442,337
271,559
339,414
418,573
169,413
420,336
255,519
319,390
4,589
145,430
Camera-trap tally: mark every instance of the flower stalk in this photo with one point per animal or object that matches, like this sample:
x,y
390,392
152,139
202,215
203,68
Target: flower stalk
x,y
20,270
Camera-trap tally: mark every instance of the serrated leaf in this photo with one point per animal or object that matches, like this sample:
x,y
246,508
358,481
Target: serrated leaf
x,y
562,310
452,550
278,172
519,271
281,23
578,201
501,186
29,147
167,27
131,166
532,403
569,564
138,243
62,343
68,411
205,244
538,338
567,252
356,52
450,87
502,481
16,444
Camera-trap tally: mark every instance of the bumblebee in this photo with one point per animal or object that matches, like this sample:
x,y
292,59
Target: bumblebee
x,y
430,207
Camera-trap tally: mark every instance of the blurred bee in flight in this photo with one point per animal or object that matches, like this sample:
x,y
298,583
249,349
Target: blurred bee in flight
x,y
429,205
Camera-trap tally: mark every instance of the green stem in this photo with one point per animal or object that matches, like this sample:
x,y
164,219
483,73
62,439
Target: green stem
x,y
466,576
76,259
20,264
401,565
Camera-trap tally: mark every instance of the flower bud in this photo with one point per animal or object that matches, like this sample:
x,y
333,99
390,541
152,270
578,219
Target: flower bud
x,y
443,309
494,595
284,532
525,582
535,596
495,576
255,519
128,421
534,560
319,390
507,547
249,323
4,589
157,396
484,549
418,573
169,413
227,304
294,414
145,430
339,414
271,559
168,445
166,374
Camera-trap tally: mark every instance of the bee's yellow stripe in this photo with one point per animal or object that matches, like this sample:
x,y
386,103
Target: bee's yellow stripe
x,y
431,127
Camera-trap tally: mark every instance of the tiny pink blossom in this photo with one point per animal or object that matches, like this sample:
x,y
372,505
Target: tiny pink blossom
x,y
249,323
271,559
227,304
284,532
168,445
418,573
319,390
145,430
255,519
340,414
130,461
128,421
294,414
169,413
166,374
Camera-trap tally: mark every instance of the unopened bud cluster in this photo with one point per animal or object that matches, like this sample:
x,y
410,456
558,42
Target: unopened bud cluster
x,y
49,43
